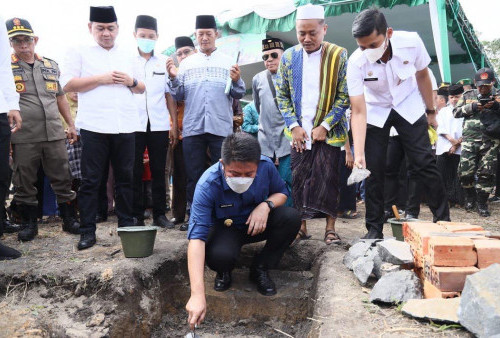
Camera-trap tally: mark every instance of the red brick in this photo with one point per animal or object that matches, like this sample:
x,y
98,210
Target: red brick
x,y
451,278
445,223
488,252
463,228
431,291
452,251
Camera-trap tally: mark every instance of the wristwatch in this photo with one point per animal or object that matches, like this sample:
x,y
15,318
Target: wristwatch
x,y
270,204
134,83
430,111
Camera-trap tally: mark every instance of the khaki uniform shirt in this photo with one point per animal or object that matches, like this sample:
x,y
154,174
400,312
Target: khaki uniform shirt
x,y
38,88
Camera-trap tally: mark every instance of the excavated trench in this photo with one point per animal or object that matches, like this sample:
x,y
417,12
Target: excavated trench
x,y
141,298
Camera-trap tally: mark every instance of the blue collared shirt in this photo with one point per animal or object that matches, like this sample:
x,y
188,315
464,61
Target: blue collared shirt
x,y
201,84
214,201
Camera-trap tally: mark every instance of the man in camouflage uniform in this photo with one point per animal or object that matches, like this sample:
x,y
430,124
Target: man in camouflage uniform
x,y
479,150
41,140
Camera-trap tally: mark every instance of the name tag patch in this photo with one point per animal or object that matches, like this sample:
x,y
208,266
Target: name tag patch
x,y
226,205
371,79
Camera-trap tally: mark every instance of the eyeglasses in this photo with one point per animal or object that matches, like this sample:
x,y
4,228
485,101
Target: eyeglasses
x,y
26,40
185,52
274,55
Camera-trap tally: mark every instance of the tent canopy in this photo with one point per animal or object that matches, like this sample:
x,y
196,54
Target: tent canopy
x,y
466,53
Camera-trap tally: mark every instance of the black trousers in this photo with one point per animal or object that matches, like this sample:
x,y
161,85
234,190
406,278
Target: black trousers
x,y
416,144
347,193
97,150
224,243
157,144
401,181
179,184
4,161
196,157
102,198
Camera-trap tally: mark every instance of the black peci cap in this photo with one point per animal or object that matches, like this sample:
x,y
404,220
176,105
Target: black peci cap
x,y
455,89
183,41
147,22
272,43
103,14
17,26
205,22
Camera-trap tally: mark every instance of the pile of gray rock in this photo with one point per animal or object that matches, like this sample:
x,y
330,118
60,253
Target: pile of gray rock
x,y
388,262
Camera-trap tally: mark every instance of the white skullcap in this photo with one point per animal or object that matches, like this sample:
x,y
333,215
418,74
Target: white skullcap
x,y
310,12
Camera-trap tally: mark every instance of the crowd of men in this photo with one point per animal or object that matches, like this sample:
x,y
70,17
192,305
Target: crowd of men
x,y
263,184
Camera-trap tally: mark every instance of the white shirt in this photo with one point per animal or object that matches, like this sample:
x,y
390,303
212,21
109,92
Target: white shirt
x,y
109,109
311,64
393,131
152,104
392,85
9,98
448,124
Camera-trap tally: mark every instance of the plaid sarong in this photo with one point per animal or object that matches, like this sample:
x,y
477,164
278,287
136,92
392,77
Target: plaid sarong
x,y
74,158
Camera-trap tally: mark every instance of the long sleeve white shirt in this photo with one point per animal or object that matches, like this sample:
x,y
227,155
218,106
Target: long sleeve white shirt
x,y
9,98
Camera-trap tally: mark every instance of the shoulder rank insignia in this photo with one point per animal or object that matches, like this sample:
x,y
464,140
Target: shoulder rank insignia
x,y
14,58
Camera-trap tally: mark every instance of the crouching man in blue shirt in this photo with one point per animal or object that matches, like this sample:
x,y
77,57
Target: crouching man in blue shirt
x,y
237,201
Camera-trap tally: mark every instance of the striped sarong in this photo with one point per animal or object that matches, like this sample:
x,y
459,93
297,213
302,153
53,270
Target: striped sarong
x,y
315,180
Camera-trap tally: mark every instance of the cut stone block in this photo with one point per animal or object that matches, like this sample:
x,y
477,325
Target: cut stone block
x,y
479,310
395,252
436,309
397,287
452,251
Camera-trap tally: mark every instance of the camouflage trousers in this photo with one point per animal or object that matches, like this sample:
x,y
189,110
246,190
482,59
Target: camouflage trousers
x,y
479,160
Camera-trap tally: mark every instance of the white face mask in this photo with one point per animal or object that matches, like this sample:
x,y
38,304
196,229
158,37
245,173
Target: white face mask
x,y
374,54
239,184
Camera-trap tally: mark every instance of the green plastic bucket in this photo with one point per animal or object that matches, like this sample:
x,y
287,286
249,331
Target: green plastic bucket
x,y
397,226
137,241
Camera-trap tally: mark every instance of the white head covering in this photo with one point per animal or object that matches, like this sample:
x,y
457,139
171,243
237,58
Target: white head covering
x,y
310,12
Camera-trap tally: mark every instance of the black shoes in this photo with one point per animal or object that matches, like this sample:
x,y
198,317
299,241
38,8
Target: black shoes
x,y
86,241
470,199
100,218
222,281
260,276
9,227
7,253
162,222
177,221
30,223
482,204
139,222
184,226
410,216
373,234
68,215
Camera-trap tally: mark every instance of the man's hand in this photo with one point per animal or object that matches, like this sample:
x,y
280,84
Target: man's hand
x,y
431,120
71,134
106,79
235,73
257,220
122,79
349,159
453,149
359,161
490,104
299,137
171,69
318,134
173,136
196,308
15,120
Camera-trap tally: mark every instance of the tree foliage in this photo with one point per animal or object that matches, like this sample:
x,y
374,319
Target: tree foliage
x,y
492,49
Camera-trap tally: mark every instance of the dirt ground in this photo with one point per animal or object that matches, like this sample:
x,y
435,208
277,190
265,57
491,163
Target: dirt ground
x,y
57,289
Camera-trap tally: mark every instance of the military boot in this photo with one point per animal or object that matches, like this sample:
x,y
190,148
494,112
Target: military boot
x,y
482,204
470,199
68,215
29,215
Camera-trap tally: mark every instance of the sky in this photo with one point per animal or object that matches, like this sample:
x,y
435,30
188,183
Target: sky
x,y
63,23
